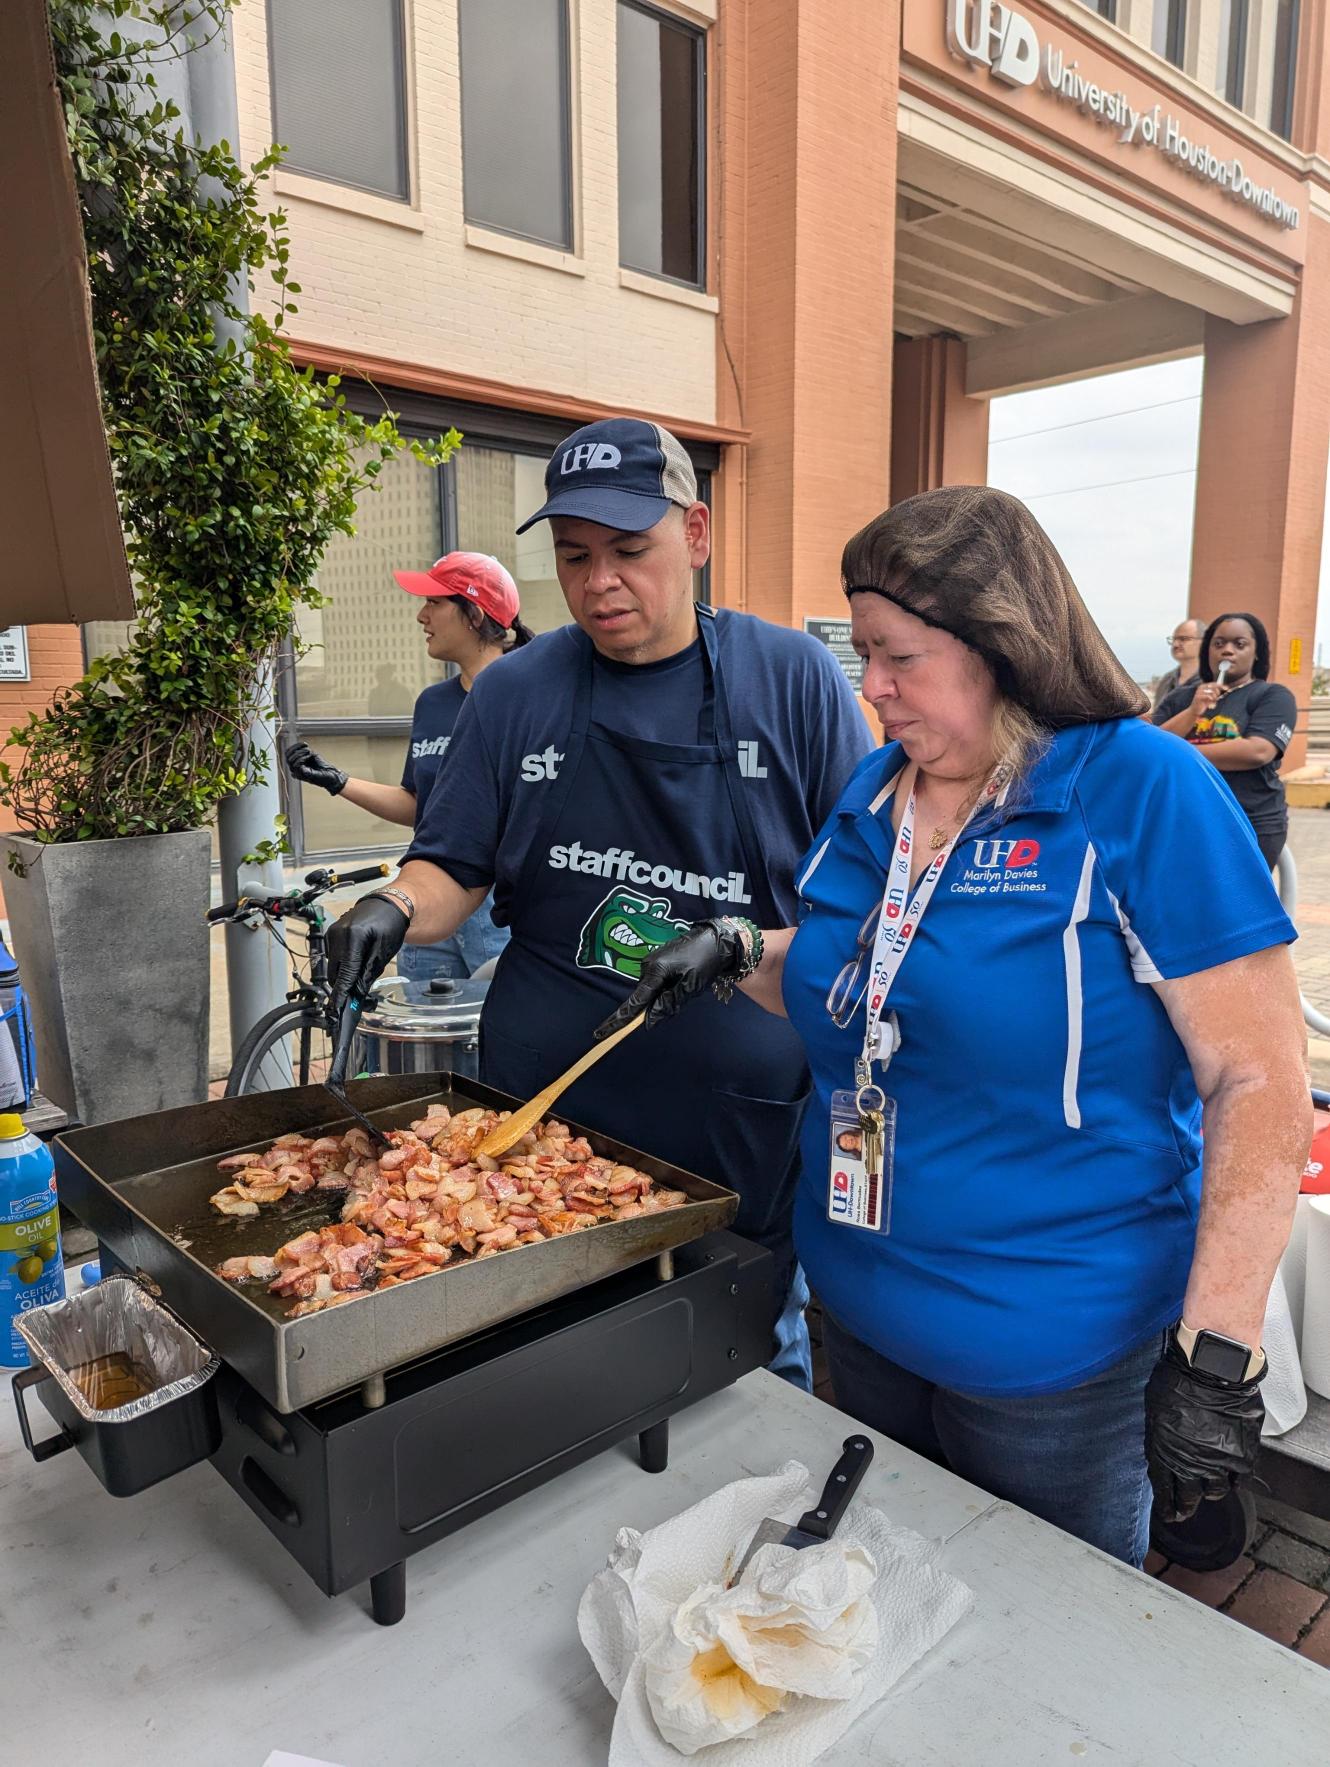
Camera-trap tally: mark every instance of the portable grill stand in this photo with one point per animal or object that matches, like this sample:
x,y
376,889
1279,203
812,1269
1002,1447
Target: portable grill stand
x,y
361,1434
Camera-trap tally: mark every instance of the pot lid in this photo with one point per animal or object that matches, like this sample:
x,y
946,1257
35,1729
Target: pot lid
x,y
443,1006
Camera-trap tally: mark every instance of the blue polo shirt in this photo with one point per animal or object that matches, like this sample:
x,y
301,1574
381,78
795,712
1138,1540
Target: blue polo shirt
x,y
1047,1162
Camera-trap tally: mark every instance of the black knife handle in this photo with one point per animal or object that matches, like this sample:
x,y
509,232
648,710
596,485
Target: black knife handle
x,y
823,1520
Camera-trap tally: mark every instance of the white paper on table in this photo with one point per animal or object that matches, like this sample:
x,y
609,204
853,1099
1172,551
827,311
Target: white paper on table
x,y
630,1606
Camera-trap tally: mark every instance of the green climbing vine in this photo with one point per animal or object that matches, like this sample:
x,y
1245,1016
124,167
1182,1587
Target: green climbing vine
x,y
233,467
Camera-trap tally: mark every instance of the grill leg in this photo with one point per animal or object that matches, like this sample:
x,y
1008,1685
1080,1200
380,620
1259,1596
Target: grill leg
x,y
653,1446
387,1594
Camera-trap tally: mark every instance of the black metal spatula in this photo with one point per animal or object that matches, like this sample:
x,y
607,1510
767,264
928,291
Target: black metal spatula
x,y
816,1526
336,1077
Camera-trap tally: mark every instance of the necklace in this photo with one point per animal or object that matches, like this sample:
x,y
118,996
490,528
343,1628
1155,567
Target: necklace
x,y
939,837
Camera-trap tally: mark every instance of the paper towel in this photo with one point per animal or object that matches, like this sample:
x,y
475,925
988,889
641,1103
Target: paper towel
x,y
1293,1265
1316,1299
630,1607
1283,1389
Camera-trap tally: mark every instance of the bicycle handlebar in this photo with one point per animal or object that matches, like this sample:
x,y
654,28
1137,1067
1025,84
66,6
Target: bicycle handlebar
x,y
320,882
366,875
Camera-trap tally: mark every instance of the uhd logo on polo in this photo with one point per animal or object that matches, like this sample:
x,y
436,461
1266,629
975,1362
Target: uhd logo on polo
x,y
591,457
988,34
1000,868
1010,855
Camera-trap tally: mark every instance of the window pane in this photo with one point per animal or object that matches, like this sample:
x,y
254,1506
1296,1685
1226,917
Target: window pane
x,y
515,117
332,826
1169,30
337,90
1231,67
497,489
1286,56
660,146
369,659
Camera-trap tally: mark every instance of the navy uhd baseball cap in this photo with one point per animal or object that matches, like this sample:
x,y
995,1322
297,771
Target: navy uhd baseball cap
x,y
623,473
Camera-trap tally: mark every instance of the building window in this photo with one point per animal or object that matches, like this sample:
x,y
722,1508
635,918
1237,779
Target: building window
x,y
1105,8
662,134
1285,68
1168,35
515,147
338,86
1232,64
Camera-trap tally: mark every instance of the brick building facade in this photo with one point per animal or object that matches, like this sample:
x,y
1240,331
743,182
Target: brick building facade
x,y
816,241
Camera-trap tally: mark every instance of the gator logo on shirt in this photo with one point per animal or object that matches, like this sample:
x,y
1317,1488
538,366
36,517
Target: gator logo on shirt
x,y
1217,728
624,931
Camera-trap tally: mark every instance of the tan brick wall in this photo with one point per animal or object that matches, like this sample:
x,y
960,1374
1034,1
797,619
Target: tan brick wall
x,y
425,295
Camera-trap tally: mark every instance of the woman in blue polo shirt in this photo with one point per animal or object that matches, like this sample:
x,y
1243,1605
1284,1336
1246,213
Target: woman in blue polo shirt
x,y
471,617
1017,1025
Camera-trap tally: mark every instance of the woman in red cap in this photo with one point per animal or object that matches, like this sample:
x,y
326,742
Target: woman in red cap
x,y
470,614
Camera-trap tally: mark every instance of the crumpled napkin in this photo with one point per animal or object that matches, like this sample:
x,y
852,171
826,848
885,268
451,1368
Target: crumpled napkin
x,y
660,1606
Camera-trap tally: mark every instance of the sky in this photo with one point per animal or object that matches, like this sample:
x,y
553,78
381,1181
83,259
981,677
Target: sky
x,y
1109,467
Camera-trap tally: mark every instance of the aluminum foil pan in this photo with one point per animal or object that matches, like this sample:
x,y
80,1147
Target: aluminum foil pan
x,y
117,1319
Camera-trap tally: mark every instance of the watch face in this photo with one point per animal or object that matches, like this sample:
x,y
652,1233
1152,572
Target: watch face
x,y
1222,1357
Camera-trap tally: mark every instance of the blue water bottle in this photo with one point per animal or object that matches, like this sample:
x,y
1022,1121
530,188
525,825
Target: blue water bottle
x,y
32,1273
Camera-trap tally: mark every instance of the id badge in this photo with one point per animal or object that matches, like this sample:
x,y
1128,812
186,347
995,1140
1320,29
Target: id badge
x,y
856,1195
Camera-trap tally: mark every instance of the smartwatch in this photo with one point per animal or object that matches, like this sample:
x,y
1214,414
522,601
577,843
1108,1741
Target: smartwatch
x,y
1222,1358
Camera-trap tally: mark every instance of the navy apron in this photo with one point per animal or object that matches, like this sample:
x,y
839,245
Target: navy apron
x,y
636,829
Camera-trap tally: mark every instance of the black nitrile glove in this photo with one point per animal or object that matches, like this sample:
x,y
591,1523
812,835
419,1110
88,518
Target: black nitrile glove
x,y
311,769
710,951
361,945
1202,1435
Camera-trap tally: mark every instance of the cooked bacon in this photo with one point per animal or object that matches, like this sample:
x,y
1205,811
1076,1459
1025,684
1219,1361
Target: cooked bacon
x,y
430,1199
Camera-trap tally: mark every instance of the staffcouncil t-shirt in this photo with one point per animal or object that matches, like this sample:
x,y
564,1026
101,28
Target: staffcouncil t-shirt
x,y
1047,1156
432,720
797,725
1258,708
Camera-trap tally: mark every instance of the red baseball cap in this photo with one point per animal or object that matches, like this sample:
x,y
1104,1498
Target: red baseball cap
x,y
475,576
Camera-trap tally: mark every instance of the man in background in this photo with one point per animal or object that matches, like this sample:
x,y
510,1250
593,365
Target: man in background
x,y
1186,647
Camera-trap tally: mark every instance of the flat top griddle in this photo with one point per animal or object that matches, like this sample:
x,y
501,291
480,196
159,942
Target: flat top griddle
x,y
143,1186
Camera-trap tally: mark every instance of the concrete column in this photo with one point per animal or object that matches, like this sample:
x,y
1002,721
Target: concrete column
x,y
805,188
1261,471
938,435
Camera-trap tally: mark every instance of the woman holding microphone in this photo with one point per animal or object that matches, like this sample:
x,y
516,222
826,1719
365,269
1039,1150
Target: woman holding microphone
x,y
1241,722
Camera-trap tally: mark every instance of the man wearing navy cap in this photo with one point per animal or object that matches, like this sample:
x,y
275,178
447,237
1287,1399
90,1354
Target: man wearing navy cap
x,y
652,765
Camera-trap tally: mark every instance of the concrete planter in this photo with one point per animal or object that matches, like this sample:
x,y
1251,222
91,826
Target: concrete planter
x,y
113,951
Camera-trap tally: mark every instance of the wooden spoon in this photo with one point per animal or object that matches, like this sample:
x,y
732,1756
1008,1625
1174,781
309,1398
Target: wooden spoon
x,y
511,1130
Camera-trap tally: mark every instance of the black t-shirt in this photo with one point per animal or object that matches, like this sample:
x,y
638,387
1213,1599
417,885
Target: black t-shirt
x,y
1257,708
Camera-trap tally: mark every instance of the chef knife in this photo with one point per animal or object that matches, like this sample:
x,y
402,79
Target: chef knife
x,y
816,1526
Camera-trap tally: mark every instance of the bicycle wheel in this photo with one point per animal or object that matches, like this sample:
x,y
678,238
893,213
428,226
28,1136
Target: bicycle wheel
x,y
289,1046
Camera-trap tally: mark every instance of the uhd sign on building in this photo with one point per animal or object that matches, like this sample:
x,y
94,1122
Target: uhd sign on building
x,y
987,34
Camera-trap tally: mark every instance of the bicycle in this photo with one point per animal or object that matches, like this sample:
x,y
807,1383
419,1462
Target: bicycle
x,y
292,1044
